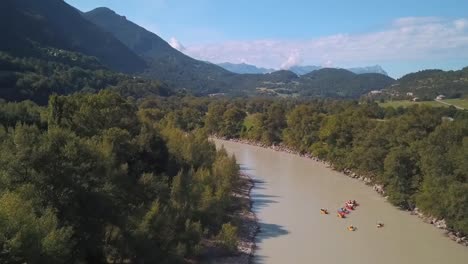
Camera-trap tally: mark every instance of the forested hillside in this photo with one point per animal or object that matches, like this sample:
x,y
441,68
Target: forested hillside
x,y
52,23
329,82
95,179
429,84
52,71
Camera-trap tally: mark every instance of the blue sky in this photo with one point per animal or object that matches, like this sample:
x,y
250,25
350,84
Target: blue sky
x,y
401,36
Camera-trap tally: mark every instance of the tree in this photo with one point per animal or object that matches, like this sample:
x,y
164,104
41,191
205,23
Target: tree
x,y
27,237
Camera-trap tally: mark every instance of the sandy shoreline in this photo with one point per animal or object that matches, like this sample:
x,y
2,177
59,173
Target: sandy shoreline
x,y
438,223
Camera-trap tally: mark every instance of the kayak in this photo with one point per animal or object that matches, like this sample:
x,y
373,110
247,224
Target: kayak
x,y
342,210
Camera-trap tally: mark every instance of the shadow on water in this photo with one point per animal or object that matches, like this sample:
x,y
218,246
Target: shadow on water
x,y
244,167
259,204
260,196
268,231
259,184
260,259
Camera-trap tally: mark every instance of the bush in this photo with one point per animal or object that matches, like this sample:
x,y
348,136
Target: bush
x,y
227,237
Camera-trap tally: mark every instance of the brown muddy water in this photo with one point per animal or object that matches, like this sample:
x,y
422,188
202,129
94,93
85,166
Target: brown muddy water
x,y
287,200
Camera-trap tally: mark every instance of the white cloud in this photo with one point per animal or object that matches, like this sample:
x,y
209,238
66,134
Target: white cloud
x,y
405,39
293,59
461,24
176,44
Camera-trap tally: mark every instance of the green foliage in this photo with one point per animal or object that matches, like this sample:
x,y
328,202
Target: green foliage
x,y
92,179
227,237
28,237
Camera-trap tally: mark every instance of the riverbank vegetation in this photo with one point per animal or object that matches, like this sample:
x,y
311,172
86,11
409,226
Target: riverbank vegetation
x,y
92,179
419,153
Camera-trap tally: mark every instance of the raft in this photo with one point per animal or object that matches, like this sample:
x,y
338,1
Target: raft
x,y
343,210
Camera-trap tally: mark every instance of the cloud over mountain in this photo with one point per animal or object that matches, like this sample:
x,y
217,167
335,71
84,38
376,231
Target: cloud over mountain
x,y
405,39
176,44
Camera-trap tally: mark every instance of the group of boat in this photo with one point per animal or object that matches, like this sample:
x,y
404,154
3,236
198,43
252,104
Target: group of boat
x,y
349,206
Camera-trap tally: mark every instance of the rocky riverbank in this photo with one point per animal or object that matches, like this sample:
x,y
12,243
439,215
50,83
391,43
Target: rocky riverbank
x,y
247,224
439,223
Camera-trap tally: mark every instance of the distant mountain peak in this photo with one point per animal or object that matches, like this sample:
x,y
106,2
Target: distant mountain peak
x,y
103,10
369,69
244,68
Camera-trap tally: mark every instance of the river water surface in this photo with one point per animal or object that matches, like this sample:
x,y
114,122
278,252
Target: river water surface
x,y
287,201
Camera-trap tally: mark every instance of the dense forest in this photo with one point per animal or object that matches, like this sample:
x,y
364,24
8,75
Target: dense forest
x,y
93,178
54,71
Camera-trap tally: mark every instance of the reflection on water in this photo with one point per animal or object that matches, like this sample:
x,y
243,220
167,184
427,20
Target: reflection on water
x,y
288,195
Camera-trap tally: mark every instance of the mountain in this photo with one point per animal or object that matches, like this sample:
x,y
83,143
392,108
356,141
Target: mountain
x,y
53,23
165,63
79,44
428,84
368,69
301,70
331,82
298,69
244,68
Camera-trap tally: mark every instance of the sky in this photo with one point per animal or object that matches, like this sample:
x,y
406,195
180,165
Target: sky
x,y
400,35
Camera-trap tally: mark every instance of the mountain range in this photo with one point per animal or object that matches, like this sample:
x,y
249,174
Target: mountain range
x,y
243,68
123,46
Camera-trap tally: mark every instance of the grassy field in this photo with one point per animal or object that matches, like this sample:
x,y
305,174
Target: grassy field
x,y
463,103
406,103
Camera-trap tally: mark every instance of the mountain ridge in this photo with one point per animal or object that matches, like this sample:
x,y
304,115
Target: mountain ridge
x,y
165,63
59,25
243,68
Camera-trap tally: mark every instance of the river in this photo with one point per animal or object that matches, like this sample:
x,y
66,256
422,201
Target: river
x,y
287,200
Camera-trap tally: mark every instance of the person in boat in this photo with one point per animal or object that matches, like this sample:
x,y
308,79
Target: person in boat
x,y
380,225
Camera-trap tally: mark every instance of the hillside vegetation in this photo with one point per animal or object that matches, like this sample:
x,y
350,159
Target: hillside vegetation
x,y
53,23
428,84
53,71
